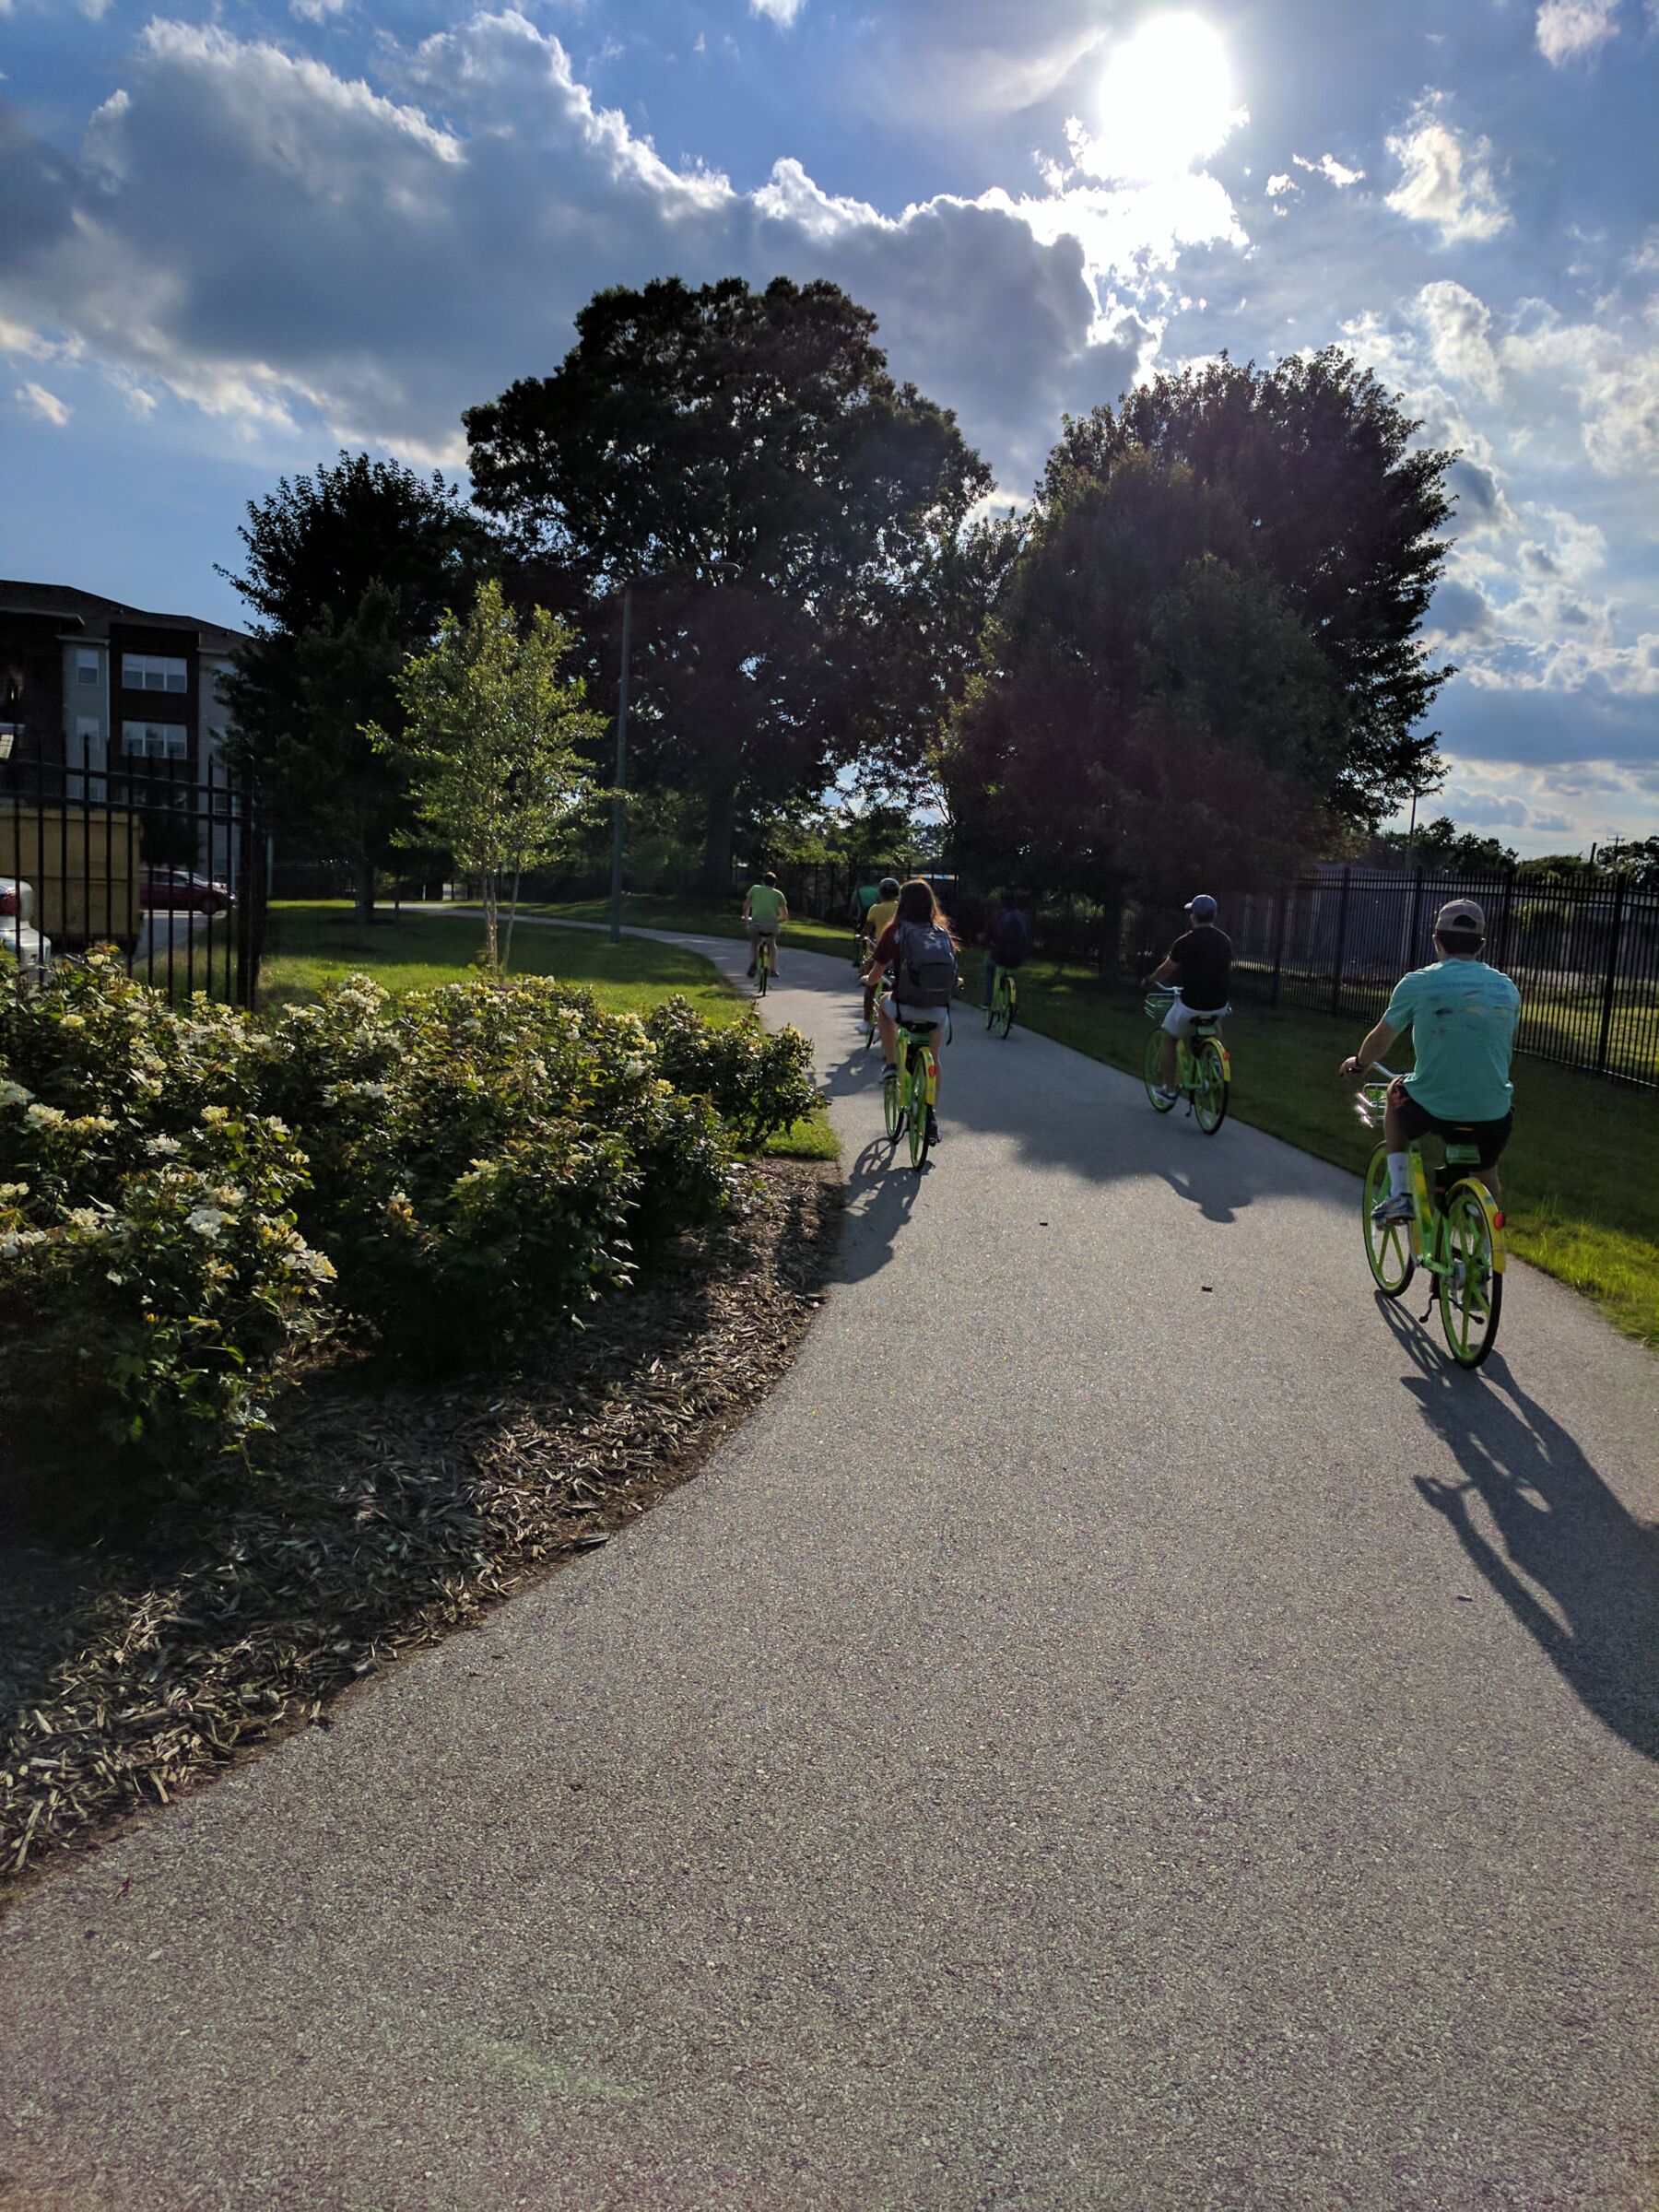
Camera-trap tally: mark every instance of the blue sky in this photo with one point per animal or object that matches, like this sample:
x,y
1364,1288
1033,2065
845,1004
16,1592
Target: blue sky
x,y
237,236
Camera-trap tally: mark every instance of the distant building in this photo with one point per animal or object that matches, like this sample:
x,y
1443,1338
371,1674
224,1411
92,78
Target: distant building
x,y
101,693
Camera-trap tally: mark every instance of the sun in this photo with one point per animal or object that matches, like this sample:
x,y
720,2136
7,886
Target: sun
x,y
1166,100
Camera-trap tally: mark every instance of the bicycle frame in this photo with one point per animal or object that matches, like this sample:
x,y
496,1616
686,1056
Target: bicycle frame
x,y
1430,1226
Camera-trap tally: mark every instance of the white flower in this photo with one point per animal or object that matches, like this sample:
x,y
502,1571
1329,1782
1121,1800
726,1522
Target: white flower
x,y
72,1021
10,1191
20,1240
85,1218
163,1148
14,1094
44,1117
213,1115
206,1221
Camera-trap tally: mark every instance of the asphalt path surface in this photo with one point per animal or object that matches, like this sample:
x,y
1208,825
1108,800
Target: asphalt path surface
x,y
1125,1725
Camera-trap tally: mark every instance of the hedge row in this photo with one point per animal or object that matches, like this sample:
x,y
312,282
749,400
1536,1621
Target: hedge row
x,y
188,1197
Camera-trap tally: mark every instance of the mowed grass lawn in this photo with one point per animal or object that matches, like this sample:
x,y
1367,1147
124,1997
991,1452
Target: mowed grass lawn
x,y
311,943
706,918
1580,1194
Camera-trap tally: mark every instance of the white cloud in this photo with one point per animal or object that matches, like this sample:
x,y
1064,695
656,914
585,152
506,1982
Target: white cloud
x,y
1568,29
1328,166
46,404
1280,184
1458,327
783,12
1447,182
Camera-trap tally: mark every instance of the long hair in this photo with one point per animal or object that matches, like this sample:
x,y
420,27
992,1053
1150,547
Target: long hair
x,y
918,903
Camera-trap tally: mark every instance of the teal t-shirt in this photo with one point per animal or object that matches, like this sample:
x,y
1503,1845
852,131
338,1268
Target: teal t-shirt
x,y
1461,1016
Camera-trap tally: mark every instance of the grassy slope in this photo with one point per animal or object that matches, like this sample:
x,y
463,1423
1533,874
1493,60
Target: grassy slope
x,y
1580,1198
309,943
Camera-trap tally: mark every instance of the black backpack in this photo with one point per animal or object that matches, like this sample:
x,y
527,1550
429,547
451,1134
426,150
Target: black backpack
x,y
926,965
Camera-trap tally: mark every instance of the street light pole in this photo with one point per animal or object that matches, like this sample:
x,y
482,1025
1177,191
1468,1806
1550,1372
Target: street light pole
x,y
619,817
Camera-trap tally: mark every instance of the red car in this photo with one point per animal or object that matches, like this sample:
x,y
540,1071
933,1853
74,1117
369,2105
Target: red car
x,y
178,891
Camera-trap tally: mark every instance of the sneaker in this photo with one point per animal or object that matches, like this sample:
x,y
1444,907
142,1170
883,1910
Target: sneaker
x,y
933,1128
1399,1208
1167,1098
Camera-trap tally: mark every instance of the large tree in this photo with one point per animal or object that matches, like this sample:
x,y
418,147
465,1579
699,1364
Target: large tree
x,y
1343,514
1149,705
778,502
346,573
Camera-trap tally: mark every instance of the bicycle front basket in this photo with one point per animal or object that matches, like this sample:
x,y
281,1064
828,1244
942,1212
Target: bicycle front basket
x,y
1159,1004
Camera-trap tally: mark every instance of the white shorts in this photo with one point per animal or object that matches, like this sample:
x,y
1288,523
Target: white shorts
x,y
938,1016
1180,1018
758,930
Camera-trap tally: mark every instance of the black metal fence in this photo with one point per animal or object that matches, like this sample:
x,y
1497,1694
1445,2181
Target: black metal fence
x,y
1585,958
169,868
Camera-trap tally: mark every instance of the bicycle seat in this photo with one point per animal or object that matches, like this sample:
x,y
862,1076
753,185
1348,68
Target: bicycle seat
x,y
918,1029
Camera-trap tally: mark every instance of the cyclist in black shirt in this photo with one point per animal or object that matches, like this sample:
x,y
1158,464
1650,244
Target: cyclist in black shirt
x,y
1200,966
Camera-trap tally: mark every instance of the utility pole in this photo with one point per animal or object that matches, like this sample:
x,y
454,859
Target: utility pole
x,y
619,810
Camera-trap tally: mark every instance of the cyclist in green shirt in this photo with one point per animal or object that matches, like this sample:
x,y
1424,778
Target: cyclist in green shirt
x,y
765,911
1461,1016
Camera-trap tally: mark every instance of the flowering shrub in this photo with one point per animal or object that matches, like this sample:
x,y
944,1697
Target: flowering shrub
x,y
757,1080
191,1196
165,1309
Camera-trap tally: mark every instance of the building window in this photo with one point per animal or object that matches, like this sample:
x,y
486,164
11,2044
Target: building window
x,y
153,672
156,740
85,664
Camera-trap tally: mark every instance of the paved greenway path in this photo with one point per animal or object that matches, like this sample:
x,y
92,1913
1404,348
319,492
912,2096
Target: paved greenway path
x,y
1123,1729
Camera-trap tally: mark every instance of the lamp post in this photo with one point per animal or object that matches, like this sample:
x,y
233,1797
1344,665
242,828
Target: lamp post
x,y
618,811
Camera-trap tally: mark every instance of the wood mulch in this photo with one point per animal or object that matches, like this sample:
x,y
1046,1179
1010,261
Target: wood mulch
x,y
385,1516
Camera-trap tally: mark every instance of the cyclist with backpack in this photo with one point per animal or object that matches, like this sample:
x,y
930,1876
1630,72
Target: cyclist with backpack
x,y
918,946
1008,940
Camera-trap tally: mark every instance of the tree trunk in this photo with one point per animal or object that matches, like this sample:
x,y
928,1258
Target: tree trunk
x,y
362,884
511,918
492,900
718,819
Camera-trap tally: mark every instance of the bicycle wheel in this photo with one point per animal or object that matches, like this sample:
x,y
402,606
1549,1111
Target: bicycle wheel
x,y
1209,1086
1471,1290
1387,1245
762,969
892,1107
915,1110
1153,1072
1004,1007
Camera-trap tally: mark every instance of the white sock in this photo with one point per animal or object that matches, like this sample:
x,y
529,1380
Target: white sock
x,y
1399,1175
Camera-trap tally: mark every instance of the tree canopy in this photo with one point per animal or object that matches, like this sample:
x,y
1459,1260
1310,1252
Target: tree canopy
x,y
347,573
782,508
1342,514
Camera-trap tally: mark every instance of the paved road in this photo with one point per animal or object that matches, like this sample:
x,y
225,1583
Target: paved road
x,y
1124,1728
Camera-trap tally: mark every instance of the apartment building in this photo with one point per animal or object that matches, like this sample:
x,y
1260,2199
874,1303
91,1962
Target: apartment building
x,y
107,696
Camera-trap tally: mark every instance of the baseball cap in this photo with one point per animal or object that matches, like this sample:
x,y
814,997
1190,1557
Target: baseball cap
x,y
1202,908
1460,913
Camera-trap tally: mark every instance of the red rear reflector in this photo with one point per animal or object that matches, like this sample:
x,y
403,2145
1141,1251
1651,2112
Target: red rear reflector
x,y
1498,1219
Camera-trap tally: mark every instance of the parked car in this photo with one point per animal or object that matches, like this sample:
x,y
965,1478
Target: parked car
x,y
178,891
23,951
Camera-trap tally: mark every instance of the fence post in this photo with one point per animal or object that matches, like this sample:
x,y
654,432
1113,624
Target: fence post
x,y
1506,909
1342,910
1416,917
1614,935
1278,941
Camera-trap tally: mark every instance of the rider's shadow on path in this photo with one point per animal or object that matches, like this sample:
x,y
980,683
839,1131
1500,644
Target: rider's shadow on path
x,y
880,1192
1561,1528
1213,1188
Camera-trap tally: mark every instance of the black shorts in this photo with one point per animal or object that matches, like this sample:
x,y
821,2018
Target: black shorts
x,y
1491,1136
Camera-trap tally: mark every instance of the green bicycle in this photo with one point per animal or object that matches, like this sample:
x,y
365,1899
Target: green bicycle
x,y
1456,1231
910,1092
999,1013
1203,1068
766,954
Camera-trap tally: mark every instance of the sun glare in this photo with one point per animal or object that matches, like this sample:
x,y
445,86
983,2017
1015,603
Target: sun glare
x,y
1166,102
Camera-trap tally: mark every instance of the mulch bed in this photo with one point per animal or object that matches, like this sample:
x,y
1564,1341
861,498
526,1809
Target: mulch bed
x,y
384,1517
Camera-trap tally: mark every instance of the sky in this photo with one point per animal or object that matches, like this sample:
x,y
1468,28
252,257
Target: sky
x,y
241,234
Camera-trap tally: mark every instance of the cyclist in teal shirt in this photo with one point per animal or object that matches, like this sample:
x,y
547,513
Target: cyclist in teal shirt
x,y
1461,1016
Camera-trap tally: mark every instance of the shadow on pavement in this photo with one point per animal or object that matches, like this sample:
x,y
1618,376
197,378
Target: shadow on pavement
x,y
1564,1532
881,1188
